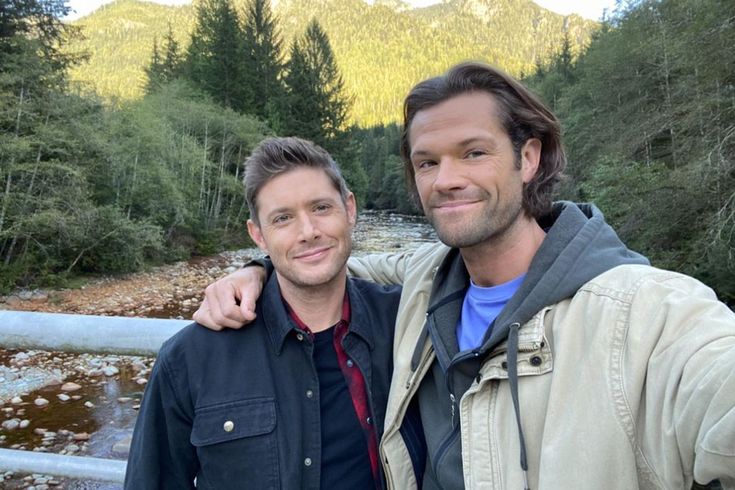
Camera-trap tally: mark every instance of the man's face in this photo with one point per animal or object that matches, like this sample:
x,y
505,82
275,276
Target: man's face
x,y
466,174
304,227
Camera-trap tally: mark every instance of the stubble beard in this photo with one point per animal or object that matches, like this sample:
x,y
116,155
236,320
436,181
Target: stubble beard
x,y
488,225
303,279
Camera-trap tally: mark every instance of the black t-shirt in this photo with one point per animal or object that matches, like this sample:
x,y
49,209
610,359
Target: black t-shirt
x,y
345,459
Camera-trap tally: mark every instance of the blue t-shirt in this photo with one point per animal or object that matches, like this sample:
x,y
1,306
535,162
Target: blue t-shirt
x,y
479,309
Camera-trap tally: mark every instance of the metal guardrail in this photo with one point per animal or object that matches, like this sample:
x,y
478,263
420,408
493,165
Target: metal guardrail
x,y
84,333
78,467
78,333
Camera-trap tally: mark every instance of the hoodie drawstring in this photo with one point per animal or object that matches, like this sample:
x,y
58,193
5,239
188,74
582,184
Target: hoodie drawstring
x,y
513,380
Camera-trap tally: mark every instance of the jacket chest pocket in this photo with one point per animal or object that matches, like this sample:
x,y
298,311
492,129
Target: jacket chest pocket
x,y
236,444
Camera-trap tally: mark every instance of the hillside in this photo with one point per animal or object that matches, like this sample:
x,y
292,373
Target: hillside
x,y
381,49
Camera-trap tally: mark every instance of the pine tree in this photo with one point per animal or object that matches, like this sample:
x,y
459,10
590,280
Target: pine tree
x,y
163,68
172,58
154,71
316,103
214,57
264,61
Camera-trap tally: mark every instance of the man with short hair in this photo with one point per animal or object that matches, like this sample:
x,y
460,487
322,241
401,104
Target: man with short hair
x,y
298,401
541,352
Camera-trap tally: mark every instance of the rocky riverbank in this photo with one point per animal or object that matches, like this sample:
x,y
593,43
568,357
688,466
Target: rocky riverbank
x,y
169,291
86,404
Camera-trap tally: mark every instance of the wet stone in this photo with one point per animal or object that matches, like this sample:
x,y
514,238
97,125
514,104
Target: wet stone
x,y
81,436
110,370
70,387
72,448
11,424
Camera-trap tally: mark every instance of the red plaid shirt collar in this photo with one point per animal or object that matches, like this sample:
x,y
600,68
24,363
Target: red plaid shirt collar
x,y
354,379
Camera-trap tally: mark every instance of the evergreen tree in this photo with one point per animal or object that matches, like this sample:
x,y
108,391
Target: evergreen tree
x,y
172,58
316,105
214,59
154,71
264,58
163,68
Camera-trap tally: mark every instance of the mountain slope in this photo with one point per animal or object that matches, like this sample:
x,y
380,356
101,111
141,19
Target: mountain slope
x,y
381,49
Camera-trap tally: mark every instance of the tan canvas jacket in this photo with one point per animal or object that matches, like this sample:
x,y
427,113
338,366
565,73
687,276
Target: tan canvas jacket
x,y
629,384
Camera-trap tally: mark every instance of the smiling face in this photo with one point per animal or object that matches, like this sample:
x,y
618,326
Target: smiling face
x,y
469,179
305,227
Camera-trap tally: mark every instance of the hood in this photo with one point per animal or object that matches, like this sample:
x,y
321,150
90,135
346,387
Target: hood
x,y
578,247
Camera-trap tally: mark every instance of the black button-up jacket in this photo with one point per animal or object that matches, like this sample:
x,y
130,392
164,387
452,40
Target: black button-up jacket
x,y
240,408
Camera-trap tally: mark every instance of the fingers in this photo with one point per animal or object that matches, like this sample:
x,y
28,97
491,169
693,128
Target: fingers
x,y
203,317
249,293
220,308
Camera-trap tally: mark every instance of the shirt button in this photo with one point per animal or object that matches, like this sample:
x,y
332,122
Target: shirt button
x,y
300,336
536,361
307,462
370,421
350,363
309,394
229,425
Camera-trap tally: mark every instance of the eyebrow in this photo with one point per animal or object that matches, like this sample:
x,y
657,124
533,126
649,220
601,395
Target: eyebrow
x,y
465,142
286,209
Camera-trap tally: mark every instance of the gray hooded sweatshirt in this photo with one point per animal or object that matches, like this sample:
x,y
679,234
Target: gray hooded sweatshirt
x,y
579,246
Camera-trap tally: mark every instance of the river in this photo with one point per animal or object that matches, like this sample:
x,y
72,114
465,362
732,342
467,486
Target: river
x,y
98,418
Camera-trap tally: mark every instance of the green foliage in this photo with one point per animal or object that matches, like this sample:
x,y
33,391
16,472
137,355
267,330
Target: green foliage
x,y
89,189
378,154
315,106
118,40
649,120
264,59
381,50
163,68
214,57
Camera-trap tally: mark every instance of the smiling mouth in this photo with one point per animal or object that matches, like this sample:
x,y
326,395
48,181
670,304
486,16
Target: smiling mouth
x,y
451,205
313,254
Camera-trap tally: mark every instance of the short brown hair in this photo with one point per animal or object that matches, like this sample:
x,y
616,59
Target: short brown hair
x,y
276,156
521,113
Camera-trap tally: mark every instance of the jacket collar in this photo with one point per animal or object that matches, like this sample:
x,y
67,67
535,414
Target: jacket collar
x,y
279,325
360,318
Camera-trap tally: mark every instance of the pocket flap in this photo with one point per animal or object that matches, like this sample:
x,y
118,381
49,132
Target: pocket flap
x,y
233,420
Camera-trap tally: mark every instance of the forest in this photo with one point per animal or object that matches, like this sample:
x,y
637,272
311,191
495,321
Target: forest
x,y
94,184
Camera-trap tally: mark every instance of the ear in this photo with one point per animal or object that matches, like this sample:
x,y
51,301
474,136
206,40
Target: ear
x,y
530,159
257,235
351,206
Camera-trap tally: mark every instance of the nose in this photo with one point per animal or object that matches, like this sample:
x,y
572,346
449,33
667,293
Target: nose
x,y
448,176
309,228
